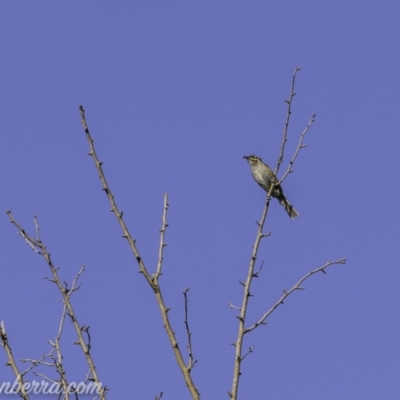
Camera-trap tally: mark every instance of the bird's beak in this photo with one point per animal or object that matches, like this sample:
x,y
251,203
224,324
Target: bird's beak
x,y
246,157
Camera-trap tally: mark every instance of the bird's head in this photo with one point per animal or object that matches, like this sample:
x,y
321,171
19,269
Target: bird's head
x,y
252,159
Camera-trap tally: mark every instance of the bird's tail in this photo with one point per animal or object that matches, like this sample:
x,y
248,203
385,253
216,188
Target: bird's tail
x,y
288,207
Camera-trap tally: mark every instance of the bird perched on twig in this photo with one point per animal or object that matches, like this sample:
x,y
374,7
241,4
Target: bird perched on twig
x,y
264,176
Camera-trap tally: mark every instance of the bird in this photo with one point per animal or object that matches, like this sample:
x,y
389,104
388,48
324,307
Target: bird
x,y
264,176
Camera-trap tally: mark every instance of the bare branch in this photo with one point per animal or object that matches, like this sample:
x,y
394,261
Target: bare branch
x,y
232,306
114,207
40,248
152,281
192,361
35,363
56,355
58,361
298,148
289,292
250,350
11,361
37,228
286,126
257,273
246,295
45,377
162,235
75,281
260,235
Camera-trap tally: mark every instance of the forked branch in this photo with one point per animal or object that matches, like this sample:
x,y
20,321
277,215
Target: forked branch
x,y
287,293
38,246
242,330
151,280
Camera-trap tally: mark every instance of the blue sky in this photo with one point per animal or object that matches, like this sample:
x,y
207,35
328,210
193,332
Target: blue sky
x,y
176,93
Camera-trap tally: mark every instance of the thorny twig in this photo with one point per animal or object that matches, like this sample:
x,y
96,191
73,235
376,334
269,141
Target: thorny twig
x,y
58,362
35,363
38,246
286,126
151,280
298,148
297,286
192,361
57,358
162,236
260,235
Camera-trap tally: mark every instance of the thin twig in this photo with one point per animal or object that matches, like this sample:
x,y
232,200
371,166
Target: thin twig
x,y
298,148
257,273
250,350
74,286
40,248
162,236
37,228
232,306
151,280
45,377
11,361
57,346
191,361
286,126
35,363
297,286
